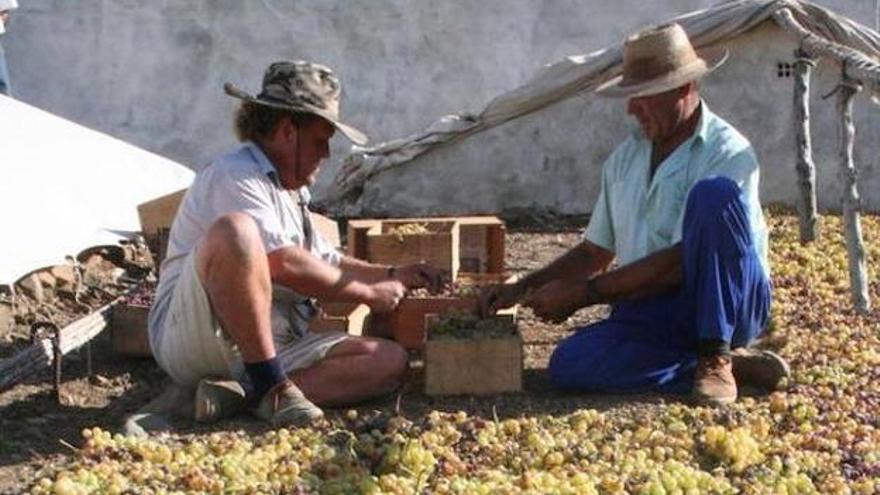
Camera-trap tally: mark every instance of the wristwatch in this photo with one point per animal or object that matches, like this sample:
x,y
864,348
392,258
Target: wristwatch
x,y
392,270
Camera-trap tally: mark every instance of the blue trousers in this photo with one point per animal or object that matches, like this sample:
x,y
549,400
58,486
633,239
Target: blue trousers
x,y
651,343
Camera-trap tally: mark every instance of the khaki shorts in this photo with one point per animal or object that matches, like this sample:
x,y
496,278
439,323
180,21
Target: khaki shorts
x,y
192,345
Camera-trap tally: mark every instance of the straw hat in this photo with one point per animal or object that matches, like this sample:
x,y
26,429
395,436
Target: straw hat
x,y
658,60
301,86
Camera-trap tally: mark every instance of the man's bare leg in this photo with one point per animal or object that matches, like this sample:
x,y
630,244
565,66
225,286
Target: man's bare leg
x,y
234,271
354,370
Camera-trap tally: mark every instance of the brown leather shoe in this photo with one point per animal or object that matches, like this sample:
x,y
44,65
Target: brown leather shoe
x,y
217,399
714,384
759,368
285,405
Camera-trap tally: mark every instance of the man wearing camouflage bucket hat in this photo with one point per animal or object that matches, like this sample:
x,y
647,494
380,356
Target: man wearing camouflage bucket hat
x,y
678,209
231,317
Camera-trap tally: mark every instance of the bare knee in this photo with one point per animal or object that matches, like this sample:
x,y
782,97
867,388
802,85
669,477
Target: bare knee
x,y
395,359
233,238
388,360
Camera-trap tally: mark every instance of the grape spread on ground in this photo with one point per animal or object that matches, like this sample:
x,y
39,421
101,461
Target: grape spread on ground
x,y
819,434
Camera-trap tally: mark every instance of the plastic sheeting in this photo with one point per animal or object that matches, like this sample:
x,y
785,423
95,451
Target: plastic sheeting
x,y
583,73
65,188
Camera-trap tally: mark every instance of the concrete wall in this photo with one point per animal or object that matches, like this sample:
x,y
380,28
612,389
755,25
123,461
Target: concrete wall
x,y
151,73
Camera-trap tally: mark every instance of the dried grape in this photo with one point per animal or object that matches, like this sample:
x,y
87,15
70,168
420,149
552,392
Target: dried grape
x,y
464,326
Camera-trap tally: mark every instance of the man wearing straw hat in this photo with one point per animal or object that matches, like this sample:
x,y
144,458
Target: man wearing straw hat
x,y
244,262
678,210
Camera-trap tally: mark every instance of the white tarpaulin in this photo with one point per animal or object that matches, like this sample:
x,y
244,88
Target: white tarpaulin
x,y
65,188
840,38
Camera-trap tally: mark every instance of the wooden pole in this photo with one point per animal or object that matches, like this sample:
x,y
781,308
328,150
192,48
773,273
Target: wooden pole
x,y
855,247
806,169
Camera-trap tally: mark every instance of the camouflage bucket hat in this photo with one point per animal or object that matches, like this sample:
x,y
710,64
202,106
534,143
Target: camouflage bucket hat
x,y
301,87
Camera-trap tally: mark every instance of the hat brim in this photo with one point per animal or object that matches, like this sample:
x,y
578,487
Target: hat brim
x,y
352,134
708,60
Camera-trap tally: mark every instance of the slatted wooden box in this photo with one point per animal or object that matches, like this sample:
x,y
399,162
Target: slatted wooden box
x,y
406,324
438,246
345,317
475,367
128,330
480,242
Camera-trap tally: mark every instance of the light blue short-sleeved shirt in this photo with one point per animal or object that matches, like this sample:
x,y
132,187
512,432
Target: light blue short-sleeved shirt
x,y
636,215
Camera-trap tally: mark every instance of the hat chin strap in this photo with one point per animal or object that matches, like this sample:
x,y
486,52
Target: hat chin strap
x,y
297,157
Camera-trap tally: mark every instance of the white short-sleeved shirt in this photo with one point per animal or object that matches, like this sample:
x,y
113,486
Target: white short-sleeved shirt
x,y
636,215
241,181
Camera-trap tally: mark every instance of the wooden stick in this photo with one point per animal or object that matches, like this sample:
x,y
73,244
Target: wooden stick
x,y
806,169
848,175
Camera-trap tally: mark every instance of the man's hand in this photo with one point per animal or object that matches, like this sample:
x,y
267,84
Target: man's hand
x,y
499,297
385,295
557,300
419,275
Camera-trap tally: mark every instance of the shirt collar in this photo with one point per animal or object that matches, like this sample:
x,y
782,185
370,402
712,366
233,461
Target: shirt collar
x,y
701,133
263,164
266,168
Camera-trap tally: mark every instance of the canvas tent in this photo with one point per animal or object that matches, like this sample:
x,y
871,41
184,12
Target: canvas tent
x,y
838,38
65,188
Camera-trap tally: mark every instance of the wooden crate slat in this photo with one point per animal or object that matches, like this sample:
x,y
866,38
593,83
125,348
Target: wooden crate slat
x,y
356,236
129,335
159,213
345,317
439,250
474,367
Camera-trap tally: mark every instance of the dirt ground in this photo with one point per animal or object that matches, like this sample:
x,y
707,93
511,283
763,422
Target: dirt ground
x,y
35,428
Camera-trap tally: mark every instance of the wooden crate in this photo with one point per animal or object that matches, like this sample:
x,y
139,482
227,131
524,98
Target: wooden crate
x,y
480,244
328,228
159,213
128,330
481,248
475,367
439,247
341,317
406,324
356,236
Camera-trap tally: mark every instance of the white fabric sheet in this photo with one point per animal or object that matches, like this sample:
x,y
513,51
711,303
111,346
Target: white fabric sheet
x,y
64,188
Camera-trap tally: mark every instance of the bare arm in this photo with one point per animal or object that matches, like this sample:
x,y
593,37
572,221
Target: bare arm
x,y
302,272
658,272
413,276
655,273
583,262
363,270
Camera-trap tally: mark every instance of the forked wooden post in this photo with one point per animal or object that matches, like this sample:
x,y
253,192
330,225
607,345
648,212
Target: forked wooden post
x,y
858,274
806,169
